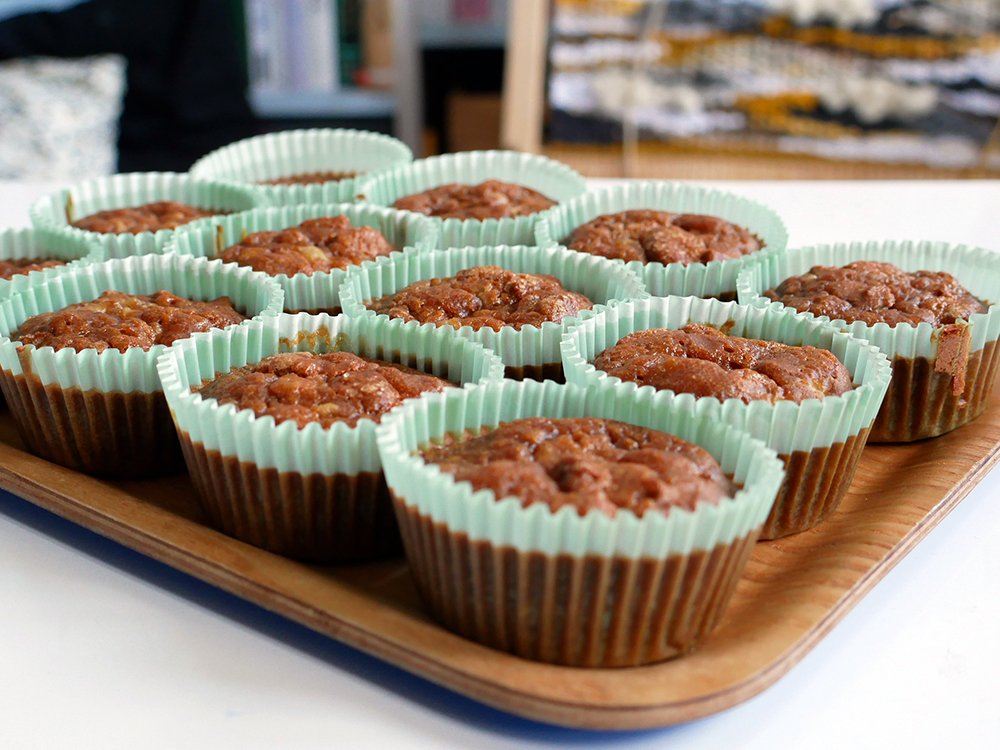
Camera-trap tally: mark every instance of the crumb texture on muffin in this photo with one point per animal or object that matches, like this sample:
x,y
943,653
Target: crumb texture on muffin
x,y
484,297
585,463
703,361
311,178
315,245
151,217
487,200
873,292
17,266
326,388
648,236
121,321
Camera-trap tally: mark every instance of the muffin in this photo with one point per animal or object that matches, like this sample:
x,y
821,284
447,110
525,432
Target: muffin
x,y
680,239
27,254
137,213
307,248
929,306
315,245
149,217
492,199
645,236
534,294
477,197
310,178
318,165
78,353
280,445
525,536
807,390
484,297
704,361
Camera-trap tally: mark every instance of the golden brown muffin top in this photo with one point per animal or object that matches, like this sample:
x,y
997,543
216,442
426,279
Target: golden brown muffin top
x,y
17,266
310,178
484,297
116,320
151,217
873,292
326,388
585,463
659,236
487,200
703,361
315,245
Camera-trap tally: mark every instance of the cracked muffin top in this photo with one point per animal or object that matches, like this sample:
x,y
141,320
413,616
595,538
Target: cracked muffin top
x,y
487,200
484,297
326,388
873,292
121,321
585,463
703,361
651,236
150,217
315,245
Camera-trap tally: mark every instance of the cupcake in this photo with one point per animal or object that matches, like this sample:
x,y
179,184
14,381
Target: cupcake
x,y
321,165
477,197
599,584
27,255
348,234
82,385
571,285
680,239
807,390
280,438
943,367
137,213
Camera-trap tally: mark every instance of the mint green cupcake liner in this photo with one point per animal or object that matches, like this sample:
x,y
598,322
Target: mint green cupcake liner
x,y
295,152
317,292
820,441
531,351
553,179
928,396
311,493
43,244
104,412
696,279
556,586
133,189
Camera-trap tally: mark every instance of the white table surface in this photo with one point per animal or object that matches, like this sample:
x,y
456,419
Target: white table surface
x,y
103,648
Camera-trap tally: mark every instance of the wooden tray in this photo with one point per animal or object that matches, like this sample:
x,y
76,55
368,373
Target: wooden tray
x,y
793,593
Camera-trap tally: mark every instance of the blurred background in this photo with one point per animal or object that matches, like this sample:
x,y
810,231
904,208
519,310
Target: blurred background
x,y
678,88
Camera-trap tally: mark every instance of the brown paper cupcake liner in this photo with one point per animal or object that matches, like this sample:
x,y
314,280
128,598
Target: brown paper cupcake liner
x,y
111,434
323,518
577,611
815,484
921,402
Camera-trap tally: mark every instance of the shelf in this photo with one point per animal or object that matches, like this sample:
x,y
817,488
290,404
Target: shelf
x,y
341,103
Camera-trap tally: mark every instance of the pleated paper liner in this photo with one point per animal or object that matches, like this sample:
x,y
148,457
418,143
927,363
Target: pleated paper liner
x,y
104,412
273,156
316,292
590,591
714,279
820,442
553,179
532,351
43,244
58,210
312,493
942,377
